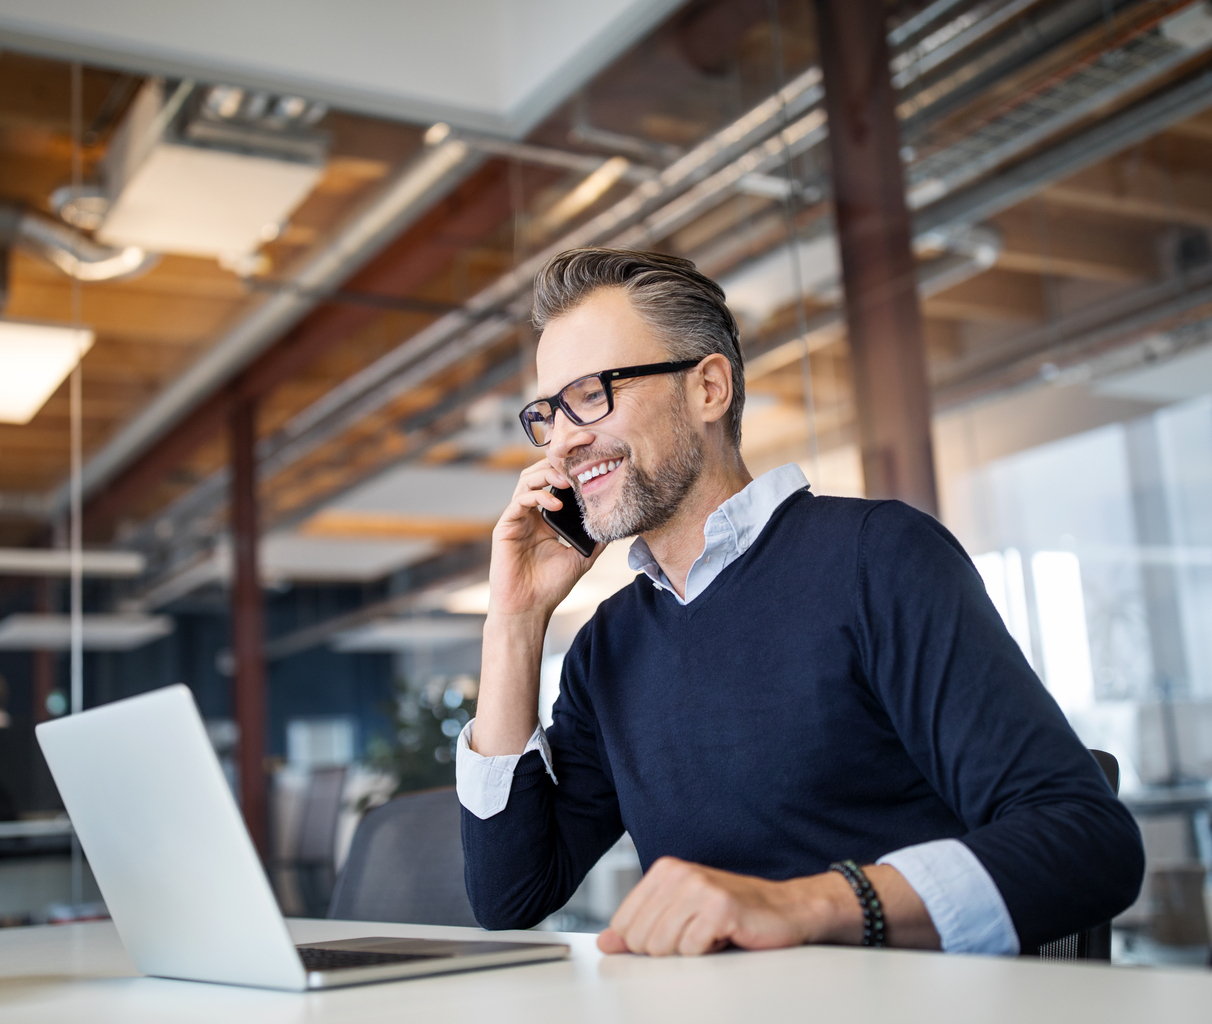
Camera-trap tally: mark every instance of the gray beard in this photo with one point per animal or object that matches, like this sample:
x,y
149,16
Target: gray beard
x,y
647,502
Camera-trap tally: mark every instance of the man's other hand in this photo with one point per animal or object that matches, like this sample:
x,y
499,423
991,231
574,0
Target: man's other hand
x,y
685,908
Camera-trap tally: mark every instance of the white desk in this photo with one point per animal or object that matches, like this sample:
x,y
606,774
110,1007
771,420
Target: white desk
x,y
80,973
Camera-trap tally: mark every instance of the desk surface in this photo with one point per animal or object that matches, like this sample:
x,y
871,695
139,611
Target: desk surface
x,y
81,973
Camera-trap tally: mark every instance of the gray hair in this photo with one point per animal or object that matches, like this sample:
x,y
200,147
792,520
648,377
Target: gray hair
x,y
685,308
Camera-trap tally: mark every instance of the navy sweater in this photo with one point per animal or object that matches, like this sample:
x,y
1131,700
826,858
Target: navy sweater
x,y
843,689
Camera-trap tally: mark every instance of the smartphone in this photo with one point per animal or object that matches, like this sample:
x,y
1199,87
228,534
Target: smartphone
x,y
567,523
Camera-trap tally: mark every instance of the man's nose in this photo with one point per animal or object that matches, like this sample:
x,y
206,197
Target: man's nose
x,y
566,437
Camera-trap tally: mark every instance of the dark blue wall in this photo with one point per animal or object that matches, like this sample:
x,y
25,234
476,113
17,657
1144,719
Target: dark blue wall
x,y
317,682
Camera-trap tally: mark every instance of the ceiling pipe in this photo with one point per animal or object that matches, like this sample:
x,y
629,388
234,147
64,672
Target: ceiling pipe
x,y
75,254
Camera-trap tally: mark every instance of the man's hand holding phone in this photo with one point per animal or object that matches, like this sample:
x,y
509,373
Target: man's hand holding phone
x,y
531,571
530,574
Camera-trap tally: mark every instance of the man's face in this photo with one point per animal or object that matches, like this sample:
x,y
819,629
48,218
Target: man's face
x,y
632,469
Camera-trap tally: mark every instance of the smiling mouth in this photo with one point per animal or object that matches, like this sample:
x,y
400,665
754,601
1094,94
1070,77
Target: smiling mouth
x,y
601,469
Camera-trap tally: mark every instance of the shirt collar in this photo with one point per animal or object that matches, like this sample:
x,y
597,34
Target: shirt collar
x,y
735,525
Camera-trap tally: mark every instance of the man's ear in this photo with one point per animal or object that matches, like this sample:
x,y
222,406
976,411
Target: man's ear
x,y
714,387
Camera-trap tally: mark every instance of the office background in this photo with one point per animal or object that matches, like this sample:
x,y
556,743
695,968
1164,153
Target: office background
x,y
265,323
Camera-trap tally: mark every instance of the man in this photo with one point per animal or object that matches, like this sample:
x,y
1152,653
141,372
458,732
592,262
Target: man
x,y
794,682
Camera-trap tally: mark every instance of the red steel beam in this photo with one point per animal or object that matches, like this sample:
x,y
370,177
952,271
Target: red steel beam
x,y
464,218
248,625
883,316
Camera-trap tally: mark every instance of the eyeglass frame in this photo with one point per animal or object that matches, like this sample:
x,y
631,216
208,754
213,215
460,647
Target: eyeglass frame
x,y
607,379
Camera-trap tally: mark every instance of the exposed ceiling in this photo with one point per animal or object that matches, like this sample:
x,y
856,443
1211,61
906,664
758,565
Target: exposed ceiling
x,y
1057,157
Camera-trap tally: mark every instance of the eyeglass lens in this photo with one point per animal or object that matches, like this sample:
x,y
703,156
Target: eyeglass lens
x,y
585,400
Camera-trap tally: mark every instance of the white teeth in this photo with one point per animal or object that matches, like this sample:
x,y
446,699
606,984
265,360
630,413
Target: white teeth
x,y
599,470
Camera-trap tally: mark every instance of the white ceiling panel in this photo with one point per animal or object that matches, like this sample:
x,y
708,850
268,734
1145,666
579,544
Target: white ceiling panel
x,y
321,559
409,634
460,493
497,65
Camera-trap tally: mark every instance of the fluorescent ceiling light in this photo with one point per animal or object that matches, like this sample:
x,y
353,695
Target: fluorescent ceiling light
x,y
58,562
101,632
409,634
35,359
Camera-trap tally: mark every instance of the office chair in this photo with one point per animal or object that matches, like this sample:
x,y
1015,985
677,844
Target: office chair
x,y
406,864
1093,943
314,855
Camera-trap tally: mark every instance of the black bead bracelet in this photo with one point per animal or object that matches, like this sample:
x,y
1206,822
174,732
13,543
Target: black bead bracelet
x,y
873,909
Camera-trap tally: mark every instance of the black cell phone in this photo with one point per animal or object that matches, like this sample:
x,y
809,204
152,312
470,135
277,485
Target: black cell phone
x,y
568,522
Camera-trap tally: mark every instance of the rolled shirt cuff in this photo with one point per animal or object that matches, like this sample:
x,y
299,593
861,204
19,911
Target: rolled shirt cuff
x,y
483,783
961,897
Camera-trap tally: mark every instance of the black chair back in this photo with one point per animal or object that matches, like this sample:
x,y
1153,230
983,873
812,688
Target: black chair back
x,y
1093,943
406,864
321,812
312,859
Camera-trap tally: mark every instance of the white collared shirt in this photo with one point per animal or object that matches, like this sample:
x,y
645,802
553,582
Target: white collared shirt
x,y
961,897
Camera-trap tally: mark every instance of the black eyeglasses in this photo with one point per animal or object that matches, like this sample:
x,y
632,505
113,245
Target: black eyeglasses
x,y
587,399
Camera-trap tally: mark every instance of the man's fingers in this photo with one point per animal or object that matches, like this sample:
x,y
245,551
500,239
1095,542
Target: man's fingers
x,y
667,931
541,474
651,918
532,498
704,933
609,941
634,902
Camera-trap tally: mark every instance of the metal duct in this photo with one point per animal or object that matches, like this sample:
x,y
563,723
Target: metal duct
x,y
75,254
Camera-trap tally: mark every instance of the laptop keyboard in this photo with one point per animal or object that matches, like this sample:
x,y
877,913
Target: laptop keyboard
x,y
336,959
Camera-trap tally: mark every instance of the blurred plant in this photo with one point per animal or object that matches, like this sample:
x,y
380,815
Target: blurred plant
x,y
425,729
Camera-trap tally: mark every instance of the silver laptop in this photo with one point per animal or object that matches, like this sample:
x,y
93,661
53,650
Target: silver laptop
x,y
179,873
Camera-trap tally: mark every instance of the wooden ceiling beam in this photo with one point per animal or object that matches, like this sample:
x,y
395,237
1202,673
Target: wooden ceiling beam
x,y
385,526
1198,127
996,296
172,319
1036,241
1138,188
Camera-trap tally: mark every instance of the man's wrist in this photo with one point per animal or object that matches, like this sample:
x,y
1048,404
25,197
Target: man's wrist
x,y
826,909
507,708
524,623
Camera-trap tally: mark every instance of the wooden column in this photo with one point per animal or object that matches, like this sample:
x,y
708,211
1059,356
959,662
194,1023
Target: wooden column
x,y
248,622
883,317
